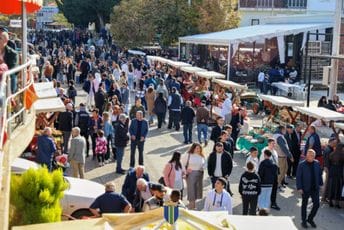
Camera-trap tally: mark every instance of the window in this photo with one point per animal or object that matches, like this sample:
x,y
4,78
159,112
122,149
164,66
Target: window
x,y
254,22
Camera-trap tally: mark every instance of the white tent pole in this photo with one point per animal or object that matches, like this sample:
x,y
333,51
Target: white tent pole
x,y
229,60
24,40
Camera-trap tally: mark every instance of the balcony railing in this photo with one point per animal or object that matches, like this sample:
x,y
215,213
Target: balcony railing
x,y
273,4
12,105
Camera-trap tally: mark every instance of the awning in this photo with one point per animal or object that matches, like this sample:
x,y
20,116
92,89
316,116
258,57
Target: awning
x,y
45,90
211,75
15,6
177,64
251,33
339,125
49,105
230,84
281,101
192,69
321,113
158,59
137,52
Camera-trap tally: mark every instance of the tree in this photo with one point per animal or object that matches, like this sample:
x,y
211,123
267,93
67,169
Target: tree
x,y
82,12
35,196
217,15
131,23
62,20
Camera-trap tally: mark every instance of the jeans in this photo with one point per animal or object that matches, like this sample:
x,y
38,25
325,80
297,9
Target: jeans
x,y
109,139
249,205
264,198
315,200
174,118
187,132
133,145
119,158
161,117
202,128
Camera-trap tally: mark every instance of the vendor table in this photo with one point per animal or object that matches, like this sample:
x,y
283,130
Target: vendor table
x,y
291,90
252,140
276,102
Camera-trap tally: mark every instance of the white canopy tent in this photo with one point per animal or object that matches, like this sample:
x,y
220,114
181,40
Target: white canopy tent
x,y
49,105
281,101
157,58
192,69
211,75
252,34
230,84
321,113
137,52
178,64
45,90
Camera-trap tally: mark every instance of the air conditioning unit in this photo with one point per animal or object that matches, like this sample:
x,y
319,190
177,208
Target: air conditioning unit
x,y
326,75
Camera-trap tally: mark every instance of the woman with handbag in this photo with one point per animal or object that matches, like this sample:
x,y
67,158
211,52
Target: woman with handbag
x,y
174,172
195,163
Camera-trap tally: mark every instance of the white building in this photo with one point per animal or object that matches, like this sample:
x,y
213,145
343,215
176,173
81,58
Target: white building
x,y
253,12
46,15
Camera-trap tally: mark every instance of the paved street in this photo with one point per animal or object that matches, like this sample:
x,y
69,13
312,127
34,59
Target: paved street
x,y
160,145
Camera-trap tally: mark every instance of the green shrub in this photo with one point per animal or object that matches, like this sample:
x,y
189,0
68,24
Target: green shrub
x,y
35,197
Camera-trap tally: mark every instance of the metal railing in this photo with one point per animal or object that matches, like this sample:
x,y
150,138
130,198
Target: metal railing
x,y
12,109
276,4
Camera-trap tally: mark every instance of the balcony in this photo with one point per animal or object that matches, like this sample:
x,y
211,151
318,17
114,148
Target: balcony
x,y
273,4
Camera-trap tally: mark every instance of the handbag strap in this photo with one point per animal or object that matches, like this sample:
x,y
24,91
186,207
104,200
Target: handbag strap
x,y
170,170
187,162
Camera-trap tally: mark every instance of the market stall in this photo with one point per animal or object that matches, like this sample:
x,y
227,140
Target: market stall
x,y
280,109
323,119
45,90
190,81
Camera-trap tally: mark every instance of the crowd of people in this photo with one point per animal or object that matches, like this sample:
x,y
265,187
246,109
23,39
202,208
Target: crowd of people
x,y
108,121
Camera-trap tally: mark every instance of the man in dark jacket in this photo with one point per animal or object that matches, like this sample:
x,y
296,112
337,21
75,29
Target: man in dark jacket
x,y
222,169
216,131
138,132
174,104
121,141
267,173
65,121
82,120
46,148
294,147
313,142
100,98
187,117
308,182
129,185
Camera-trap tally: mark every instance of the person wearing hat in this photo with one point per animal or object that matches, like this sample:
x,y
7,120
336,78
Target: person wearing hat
x,y
218,199
202,117
157,200
226,111
8,56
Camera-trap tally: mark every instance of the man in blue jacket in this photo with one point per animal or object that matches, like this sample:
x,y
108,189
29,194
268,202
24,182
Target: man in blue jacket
x,y
308,182
138,132
46,148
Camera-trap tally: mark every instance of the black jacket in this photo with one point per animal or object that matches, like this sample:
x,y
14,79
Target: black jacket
x,y
121,137
129,185
293,144
160,105
267,172
249,184
65,121
215,133
226,164
100,99
187,115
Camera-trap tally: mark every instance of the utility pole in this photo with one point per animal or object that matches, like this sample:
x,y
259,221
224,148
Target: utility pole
x,y
335,48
